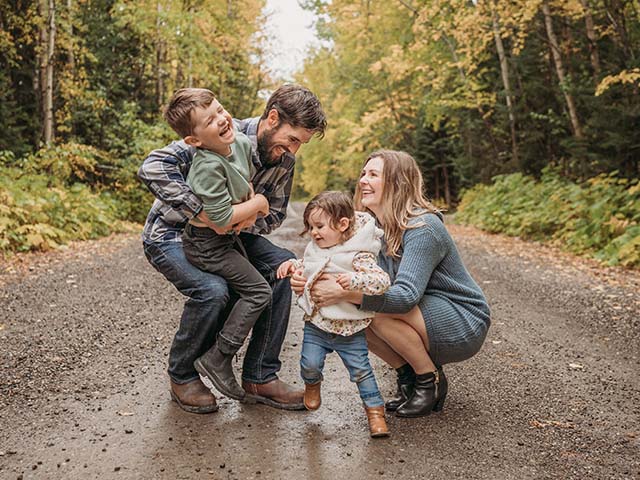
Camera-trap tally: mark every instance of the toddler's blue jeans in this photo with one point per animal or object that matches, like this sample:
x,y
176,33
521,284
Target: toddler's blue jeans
x,y
354,354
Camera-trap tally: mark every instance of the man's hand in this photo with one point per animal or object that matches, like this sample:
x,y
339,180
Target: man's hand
x,y
285,269
344,280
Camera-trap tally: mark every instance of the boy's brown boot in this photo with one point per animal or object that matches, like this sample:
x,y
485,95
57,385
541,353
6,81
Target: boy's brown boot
x,y
377,423
312,398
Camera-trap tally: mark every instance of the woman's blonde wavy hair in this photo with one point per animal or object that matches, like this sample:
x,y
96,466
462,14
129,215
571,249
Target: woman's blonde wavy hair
x,y
402,196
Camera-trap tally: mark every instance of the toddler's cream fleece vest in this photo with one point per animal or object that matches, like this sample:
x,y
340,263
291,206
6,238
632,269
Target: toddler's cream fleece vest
x,y
339,259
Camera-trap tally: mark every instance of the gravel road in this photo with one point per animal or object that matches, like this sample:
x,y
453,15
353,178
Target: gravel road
x,y
85,333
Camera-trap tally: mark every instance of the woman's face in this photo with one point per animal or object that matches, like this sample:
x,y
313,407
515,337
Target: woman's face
x,y
371,185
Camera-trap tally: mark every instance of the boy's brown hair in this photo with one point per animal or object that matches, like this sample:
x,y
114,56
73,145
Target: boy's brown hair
x,y
182,104
336,205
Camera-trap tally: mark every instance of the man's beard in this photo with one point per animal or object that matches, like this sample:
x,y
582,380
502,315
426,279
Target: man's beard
x,y
265,144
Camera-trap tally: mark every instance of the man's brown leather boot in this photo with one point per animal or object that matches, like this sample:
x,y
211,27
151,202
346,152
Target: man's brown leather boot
x,y
193,397
275,393
312,399
377,423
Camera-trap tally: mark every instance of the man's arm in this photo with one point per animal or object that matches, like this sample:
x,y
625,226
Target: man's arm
x,y
275,184
164,172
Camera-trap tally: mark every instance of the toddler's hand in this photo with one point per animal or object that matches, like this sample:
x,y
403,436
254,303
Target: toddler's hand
x,y
344,280
298,281
285,269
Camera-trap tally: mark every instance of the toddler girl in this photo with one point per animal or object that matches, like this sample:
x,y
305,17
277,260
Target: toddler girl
x,y
346,244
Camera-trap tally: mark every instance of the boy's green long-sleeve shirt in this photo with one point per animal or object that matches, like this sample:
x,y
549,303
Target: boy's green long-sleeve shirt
x,y
220,181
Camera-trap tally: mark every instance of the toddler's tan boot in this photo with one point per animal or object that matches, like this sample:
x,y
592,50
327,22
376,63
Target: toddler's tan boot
x,y
377,423
312,398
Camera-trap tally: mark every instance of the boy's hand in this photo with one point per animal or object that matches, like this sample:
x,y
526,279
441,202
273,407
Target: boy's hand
x,y
344,280
248,223
202,217
263,204
285,269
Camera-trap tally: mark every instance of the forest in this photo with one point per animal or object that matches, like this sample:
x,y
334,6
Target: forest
x,y
524,115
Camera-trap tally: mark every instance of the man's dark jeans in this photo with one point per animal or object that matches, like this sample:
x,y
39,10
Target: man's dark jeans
x,y
209,302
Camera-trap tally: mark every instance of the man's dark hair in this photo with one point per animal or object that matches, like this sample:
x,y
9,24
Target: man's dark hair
x,y
297,106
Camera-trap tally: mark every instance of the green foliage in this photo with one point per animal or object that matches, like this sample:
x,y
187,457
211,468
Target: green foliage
x,y
72,192
397,74
66,164
115,65
600,217
36,215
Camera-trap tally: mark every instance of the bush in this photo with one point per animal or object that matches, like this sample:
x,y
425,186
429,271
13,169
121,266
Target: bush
x,y
600,217
72,191
37,216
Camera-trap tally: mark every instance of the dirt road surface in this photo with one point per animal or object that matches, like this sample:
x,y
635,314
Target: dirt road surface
x,y
85,333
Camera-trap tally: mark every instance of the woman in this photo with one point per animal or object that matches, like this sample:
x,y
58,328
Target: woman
x,y
434,313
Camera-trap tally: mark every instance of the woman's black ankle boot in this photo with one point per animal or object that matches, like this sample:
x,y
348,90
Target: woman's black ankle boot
x,y
428,396
406,381
443,388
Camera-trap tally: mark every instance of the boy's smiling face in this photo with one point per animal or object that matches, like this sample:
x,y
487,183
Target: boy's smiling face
x,y
212,129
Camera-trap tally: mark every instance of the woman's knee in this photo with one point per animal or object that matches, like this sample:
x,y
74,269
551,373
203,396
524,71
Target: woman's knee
x,y
375,325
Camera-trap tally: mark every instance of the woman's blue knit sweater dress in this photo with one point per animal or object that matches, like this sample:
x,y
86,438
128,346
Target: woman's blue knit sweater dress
x,y
430,273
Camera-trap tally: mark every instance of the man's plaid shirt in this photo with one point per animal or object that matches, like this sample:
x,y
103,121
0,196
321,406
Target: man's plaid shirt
x,y
165,171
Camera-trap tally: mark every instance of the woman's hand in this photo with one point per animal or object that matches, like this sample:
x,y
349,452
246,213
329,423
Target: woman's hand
x,y
298,281
327,291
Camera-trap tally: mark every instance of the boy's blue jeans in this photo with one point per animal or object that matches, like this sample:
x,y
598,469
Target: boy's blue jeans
x,y
354,354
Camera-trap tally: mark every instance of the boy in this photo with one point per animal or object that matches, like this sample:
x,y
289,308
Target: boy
x,y
219,176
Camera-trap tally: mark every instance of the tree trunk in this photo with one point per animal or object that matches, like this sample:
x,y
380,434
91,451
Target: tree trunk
x,y
591,35
557,59
47,37
71,60
615,13
72,57
159,57
504,70
41,69
447,190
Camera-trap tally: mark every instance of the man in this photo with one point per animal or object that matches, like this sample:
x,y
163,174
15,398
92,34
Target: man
x,y
293,115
